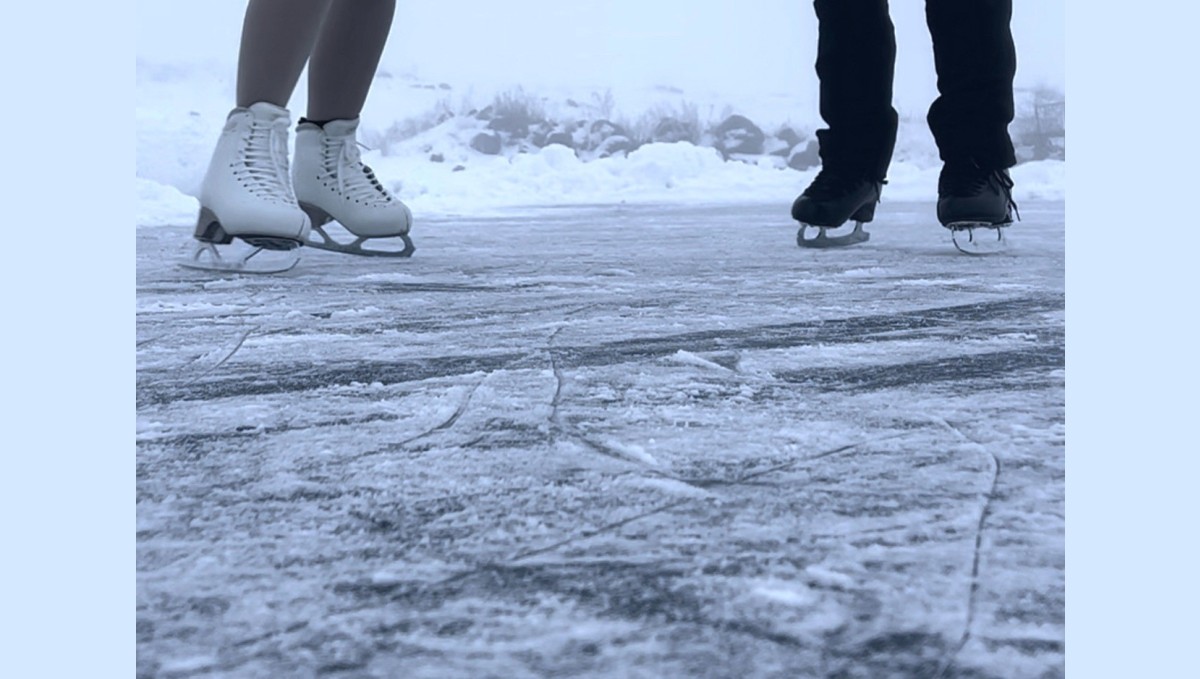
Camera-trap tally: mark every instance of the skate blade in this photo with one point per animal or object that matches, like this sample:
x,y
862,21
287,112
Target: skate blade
x,y
328,243
823,240
974,238
238,257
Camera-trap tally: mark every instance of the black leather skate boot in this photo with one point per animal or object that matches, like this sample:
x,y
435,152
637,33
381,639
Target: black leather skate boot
x,y
836,196
971,195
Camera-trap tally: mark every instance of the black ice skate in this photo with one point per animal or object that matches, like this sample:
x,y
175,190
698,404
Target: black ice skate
x,y
976,205
830,201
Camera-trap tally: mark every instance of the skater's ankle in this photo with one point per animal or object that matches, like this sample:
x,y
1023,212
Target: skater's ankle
x,y
323,121
319,123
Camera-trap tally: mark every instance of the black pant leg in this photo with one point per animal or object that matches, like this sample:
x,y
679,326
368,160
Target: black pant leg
x,y
976,61
856,58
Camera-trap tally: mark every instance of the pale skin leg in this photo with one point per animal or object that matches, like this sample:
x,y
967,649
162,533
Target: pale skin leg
x,y
343,38
346,57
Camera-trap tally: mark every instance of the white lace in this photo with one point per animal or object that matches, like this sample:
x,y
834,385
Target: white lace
x,y
265,158
354,179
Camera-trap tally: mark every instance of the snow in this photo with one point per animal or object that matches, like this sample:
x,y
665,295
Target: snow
x,y
658,173
159,203
174,143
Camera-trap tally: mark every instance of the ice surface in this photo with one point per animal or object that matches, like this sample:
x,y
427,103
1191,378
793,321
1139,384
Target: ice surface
x,y
627,440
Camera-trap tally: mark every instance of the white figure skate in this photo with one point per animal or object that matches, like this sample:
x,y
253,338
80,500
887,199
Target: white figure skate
x,y
247,194
333,184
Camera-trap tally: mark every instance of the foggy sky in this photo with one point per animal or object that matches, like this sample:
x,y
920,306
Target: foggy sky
x,y
731,46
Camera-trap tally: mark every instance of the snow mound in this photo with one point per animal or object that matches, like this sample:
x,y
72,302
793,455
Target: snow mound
x,y
159,204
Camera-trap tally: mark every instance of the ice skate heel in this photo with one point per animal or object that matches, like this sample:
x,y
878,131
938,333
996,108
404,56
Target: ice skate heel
x,y
209,230
823,240
247,254
833,199
333,185
864,214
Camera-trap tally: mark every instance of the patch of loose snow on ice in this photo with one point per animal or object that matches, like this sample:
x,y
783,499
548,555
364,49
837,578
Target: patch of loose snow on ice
x,y
931,282
387,278
188,307
669,487
824,577
869,272
353,313
786,592
428,570
688,358
879,351
625,273
187,666
386,578
631,450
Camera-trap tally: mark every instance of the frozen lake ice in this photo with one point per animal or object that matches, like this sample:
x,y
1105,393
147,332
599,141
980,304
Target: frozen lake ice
x,y
601,441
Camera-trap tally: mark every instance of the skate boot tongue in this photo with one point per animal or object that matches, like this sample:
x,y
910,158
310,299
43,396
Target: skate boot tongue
x,y
268,111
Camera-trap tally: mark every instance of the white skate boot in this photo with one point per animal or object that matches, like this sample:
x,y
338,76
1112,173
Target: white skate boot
x,y
247,194
332,184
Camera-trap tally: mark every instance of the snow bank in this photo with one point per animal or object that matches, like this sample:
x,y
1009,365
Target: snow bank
x,y
181,108
159,204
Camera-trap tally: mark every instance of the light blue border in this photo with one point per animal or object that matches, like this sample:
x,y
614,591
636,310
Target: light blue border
x,y
67,481
1132,297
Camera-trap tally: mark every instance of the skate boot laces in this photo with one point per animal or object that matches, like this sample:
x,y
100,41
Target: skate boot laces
x,y
971,180
265,162
830,184
355,179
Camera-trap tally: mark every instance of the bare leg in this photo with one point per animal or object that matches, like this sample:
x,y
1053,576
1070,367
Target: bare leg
x,y
346,55
277,38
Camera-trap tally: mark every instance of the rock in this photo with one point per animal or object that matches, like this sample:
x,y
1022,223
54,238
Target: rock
x,y
671,130
486,143
805,158
437,158
738,134
516,123
539,132
561,138
789,136
601,130
616,144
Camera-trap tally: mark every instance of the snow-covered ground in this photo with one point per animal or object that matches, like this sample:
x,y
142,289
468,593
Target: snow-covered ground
x,y
181,108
